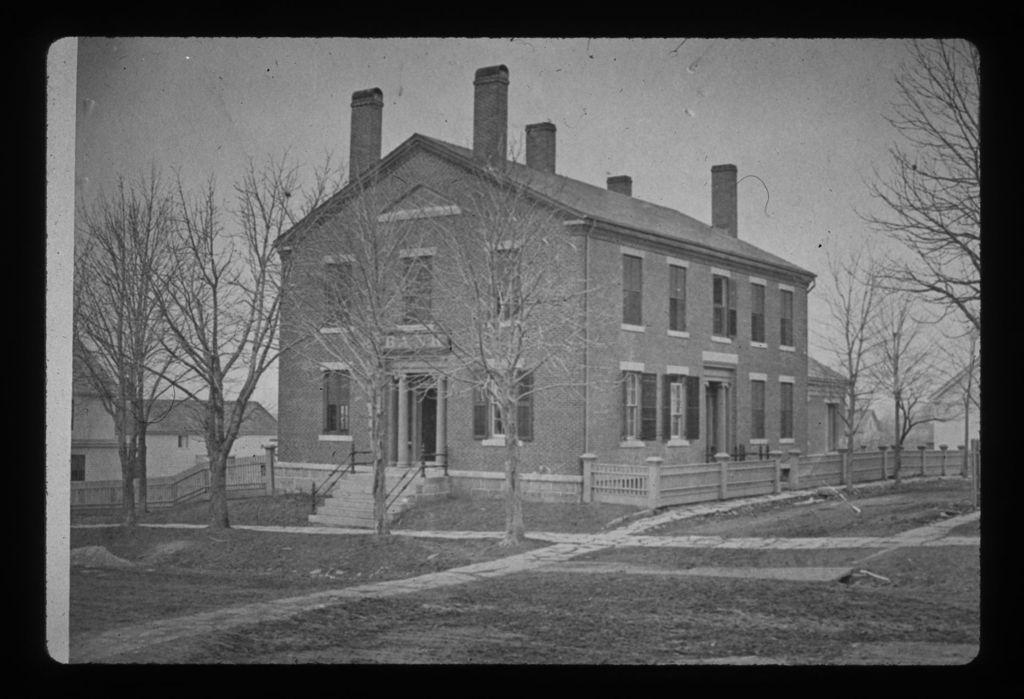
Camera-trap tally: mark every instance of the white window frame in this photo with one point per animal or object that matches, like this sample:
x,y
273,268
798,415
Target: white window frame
x,y
632,405
676,410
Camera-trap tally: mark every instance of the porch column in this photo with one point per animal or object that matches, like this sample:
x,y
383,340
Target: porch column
x,y
402,458
441,431
723,396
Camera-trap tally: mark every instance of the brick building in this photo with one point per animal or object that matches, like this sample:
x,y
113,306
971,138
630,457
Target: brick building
x,y
698,340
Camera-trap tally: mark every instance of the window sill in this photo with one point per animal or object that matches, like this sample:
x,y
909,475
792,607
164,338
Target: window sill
x,y
759,345
787,348
757,441
415,327
493,442
787,440
335,438
634,328
678,333
632,444
677,443
723,340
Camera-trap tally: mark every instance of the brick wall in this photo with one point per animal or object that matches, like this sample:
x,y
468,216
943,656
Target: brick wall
x,y
560,434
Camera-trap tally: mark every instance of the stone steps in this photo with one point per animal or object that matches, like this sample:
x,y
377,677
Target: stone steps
x,y
350,503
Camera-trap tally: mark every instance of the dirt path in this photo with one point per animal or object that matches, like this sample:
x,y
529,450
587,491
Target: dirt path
x,y
100,647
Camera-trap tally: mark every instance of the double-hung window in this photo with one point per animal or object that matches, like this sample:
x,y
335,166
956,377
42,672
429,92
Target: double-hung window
x,y
418,287
673,407
337,396
337,280
632,290
757,395
508,285
786,318
488,421
639,406
757,312
676,298
723,306
786,410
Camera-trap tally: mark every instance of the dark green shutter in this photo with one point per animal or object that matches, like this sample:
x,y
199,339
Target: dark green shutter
x,y
693,407
525,407
648,407
480,410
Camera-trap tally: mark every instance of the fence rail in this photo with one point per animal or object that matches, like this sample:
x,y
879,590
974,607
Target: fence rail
x,y
654,485
242,474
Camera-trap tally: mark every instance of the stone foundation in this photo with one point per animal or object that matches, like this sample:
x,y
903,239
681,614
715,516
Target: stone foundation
x,y
536,487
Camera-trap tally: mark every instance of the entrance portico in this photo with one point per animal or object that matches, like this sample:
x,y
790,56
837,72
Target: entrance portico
x,y
417,428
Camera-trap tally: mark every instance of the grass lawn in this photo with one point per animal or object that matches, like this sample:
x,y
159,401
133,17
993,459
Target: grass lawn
x,y
183,571
883,512
533,617
291,510
465,514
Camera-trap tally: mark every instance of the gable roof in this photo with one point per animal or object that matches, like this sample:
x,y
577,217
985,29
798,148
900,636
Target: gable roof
x,y
581,199
185,417
816,371
956,382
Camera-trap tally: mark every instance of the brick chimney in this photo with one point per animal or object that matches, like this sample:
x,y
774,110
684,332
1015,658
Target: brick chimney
x,y
540,146
723,199
490,114
623,184
364,143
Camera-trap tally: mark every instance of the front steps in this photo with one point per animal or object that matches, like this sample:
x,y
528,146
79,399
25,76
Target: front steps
x,y
350,503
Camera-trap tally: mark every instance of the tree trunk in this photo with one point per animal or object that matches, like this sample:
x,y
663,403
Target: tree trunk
x,y
141,468
218,490
129,516
382,527
514,529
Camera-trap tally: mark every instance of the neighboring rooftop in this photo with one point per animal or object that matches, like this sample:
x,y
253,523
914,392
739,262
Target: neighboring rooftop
x,y
816,371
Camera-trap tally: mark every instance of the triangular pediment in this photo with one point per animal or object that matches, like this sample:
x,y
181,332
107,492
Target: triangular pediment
x,y
419,202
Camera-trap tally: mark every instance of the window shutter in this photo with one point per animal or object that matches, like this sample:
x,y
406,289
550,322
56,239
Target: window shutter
x,y
525,408
732,308
622,409
648,407
693,407
666,406
480,410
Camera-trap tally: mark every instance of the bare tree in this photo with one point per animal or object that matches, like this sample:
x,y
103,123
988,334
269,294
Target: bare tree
x,y
117,328
931,201
512,311
903,368
347,293
852,336
962,353
221,300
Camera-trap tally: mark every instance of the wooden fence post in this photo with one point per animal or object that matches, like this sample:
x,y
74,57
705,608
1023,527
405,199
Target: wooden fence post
x,y
653,481
723,474
588,460
943,448
271,448
794,458
920,449
791,472
882,448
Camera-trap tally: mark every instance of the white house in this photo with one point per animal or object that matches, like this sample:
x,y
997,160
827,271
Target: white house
x,y
174,443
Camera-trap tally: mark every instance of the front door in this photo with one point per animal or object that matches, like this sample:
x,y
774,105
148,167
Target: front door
x,y
428,424
711,423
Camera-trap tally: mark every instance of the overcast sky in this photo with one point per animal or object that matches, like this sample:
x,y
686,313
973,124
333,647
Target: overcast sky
x,y
805,117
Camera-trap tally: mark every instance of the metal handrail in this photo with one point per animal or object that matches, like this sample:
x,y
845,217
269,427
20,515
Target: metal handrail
x,y
346,466
403,483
